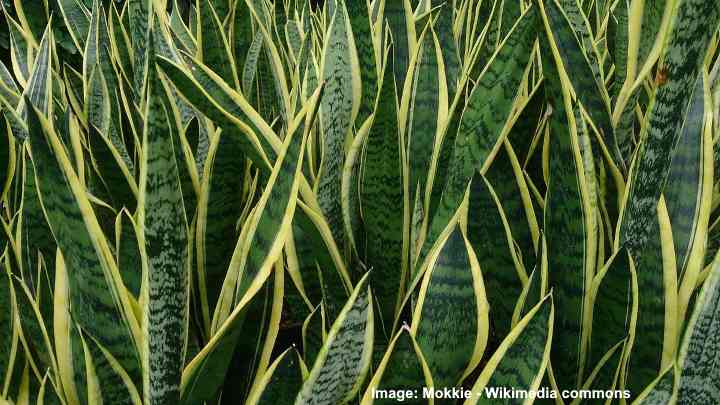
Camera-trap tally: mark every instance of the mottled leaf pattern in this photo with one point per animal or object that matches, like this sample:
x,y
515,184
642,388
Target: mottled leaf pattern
x,y
479,134
681,58
339,108
698,353
165,237
521,358
451,317
382,202
192,192
344,360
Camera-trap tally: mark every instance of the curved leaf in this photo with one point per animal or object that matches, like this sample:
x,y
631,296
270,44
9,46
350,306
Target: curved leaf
x,y
382,200
165,237
340,104
344,360
266,233
282,380
482,126
521,359
450,320
402,368
699,351
99,306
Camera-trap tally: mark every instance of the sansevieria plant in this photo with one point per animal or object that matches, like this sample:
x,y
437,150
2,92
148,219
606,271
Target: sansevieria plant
x,y
354,202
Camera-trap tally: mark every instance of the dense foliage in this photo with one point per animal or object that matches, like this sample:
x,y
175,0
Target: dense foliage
x,y
270,202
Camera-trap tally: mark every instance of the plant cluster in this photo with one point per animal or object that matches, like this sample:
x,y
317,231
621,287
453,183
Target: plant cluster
x,y
275,202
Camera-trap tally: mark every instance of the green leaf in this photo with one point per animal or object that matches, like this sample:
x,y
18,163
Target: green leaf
x,y
382,200
219,208
450,320
425,111
489,235
7,155
451,59
213,47
481,129
206,91
350,192
520,360
661,391
585,36
36,340
34,17
652,15
685,179
36,237
344,360
656,330
77,20
39,88
536,287
128,252
615,292
515,196
114,174
691,171
222,7
619,23
607,372
588,89
242,34
362,33
21,50
699,350
7,318
182,34
139,15
313,333
165,238
69,351
567,211
685,48
340,104
8,88
403,367
99,307
259,331
120,42
251,63
396,14
116,166
266,233
282,380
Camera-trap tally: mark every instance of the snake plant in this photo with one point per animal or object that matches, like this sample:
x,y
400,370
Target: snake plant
x,y
359,201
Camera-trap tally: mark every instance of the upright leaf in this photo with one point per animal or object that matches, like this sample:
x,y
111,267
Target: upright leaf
x,y
481,129
568,239
362,36
340,104
98,305
213,46
614,290
266,233
402,368
344,360
685,47
699,351
165,233
282,380
492,242
450,320
382,200
519,362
